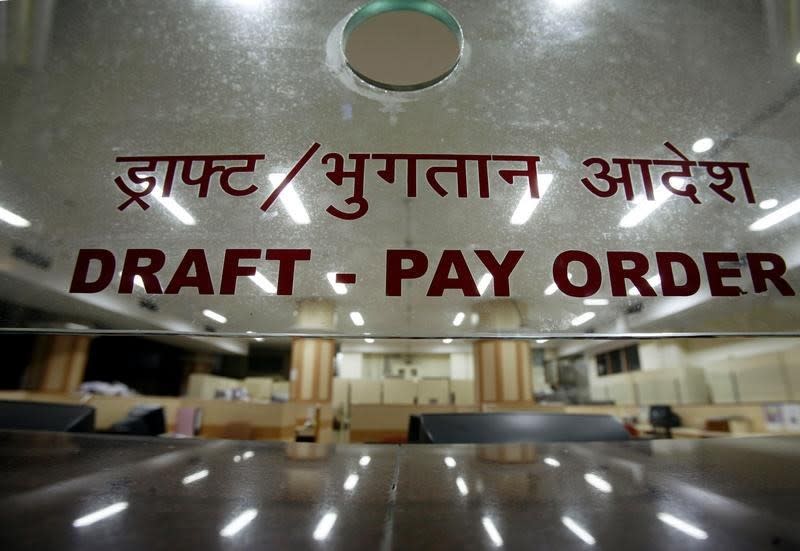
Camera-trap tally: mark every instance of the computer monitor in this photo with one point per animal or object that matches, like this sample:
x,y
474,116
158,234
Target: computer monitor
x,y
144,420
26,415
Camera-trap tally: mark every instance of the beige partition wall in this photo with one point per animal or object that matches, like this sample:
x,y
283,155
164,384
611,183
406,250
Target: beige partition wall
x,y
58,363
502,371
312,370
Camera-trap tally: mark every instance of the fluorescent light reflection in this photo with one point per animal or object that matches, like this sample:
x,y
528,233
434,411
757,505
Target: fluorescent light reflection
x,y
541,341
450,462
578,530
552,461
484,282
236,525
324,526
194,477
211,314
645,208
491,531
595,302
599,483
528,204
654,281
339,288
357,318
683,526
364,461
767,204
369,341
101,514
702,145
776,216
174,208
15,220
462,486
350,482
459,319
247,455
266,285
290,199
583,318
447,341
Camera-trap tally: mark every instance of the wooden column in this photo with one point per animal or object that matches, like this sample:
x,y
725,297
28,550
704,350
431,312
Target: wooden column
x,y
311,376
58,363
503,372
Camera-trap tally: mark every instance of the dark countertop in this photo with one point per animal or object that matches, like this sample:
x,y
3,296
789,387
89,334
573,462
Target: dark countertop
x,y
678,494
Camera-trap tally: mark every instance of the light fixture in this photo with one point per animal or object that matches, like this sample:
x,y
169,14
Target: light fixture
x,y
776,216
583,318
767,204
447,341
578,530
174,208
266,285
324,526
599,483
683,526
654,281
211,314
237,524
357,318
595,301
100,514
552,461
702,145
350,482
364,461
491,531
528,204
462,486
645,208
369,340
541,341
339,288
483,283
459,319
194,477
291,201
450,462
15,220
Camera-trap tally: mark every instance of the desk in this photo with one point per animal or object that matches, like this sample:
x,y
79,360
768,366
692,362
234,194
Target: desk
x,y
742,493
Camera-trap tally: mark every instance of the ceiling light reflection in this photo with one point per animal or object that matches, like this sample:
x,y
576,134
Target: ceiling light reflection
x,y
100,514
369,341
266,285
290,199
528,204
211,314
194,477
357,318
767,204
248,454
599,483
324,526
552,461
578,530
350,482
15,220
541,341
459,319
595,302
654,281
776,216
450,462
364,461
339,288
702,145
462,486
583,318
483,283
173,207
645,208
237,524
447,341
491,531
683,526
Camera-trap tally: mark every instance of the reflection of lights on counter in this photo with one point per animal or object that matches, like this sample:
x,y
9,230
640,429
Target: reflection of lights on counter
x,y
552,461
578,530
248,454
211,314
450,462
599,483
237,524
194,477
324,526
350,482
776,216
683,526
364,461
491,531
101,514
462,486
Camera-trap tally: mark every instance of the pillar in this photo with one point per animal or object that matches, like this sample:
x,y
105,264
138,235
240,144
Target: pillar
x,y
58,363
311,375
502,366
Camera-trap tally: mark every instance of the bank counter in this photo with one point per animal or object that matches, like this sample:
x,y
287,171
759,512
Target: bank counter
x,y
109,492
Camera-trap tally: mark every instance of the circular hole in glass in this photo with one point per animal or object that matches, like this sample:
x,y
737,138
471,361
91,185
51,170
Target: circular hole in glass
x,y
402,44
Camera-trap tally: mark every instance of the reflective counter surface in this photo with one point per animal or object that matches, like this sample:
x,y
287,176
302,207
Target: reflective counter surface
x,y
66,491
